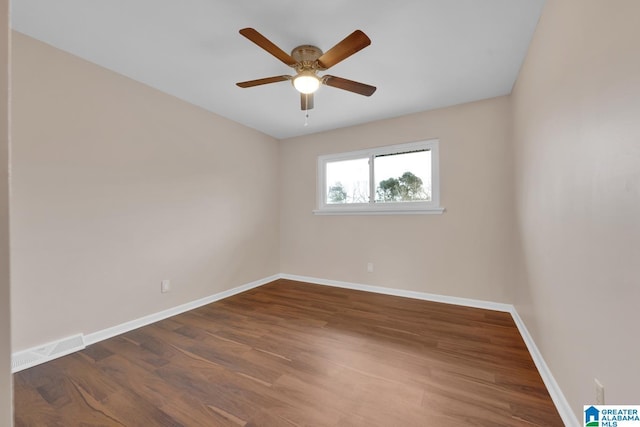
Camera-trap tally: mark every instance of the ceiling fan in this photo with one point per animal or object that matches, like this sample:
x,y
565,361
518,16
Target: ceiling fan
x,y
307,60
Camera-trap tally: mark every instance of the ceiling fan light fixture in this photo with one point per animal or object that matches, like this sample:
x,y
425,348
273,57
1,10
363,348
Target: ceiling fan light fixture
x,y
306,82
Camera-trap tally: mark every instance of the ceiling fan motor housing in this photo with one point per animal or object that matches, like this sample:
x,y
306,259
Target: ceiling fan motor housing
x,y
306,57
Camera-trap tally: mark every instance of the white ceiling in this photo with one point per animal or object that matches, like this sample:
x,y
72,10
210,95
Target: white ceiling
x,y
425,54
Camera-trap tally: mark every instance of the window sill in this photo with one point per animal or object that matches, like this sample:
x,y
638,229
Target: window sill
x,y
379,211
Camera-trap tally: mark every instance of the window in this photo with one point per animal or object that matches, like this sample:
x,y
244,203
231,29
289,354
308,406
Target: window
x,y
401,179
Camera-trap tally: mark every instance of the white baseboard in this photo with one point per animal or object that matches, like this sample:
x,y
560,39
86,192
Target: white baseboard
x,y
466,302
152,318
44,353
562,405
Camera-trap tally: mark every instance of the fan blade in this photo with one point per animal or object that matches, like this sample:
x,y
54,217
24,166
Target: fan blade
x,y
267,45
349,85
351,44
306,101
267,80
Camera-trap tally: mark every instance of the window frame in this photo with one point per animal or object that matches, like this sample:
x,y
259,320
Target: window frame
x,y
386,208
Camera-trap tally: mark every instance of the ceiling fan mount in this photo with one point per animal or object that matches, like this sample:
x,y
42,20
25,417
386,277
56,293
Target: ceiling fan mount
x,y
306,54
307,60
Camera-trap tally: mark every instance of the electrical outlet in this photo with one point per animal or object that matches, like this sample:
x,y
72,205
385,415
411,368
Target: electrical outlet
x,y
165,286
599,392
370,267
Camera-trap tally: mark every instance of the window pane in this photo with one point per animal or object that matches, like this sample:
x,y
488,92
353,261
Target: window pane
x,y
348,181
403,177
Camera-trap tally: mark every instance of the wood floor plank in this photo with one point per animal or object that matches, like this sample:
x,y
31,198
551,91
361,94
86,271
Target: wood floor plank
x,y
295,354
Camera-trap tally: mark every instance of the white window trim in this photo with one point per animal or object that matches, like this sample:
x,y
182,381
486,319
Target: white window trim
x,y
372,208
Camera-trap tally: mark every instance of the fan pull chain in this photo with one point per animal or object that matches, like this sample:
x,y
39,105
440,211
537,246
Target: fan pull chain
x,y
306,118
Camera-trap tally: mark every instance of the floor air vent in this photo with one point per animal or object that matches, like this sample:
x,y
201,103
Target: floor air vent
x,y
37,355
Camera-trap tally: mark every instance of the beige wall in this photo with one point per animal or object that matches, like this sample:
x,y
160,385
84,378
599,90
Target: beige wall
x,y
117,186
464,252
577,137
6,418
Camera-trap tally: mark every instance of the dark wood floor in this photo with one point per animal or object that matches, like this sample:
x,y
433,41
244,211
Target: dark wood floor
x,y
295,354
